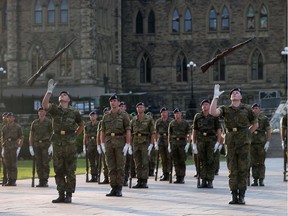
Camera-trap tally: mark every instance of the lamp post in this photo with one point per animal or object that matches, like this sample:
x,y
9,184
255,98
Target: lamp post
x,y
285,53
2,74
192,105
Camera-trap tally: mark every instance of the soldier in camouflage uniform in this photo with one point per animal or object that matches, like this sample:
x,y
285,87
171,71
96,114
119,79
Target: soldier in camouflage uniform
x,y
39,142
161,128
67,124
259,146
179,141
101,155
206,135
12,141
143,135
115,141
90,143
240,121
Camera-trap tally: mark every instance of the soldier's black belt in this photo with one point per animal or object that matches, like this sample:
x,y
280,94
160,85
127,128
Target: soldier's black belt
x,y
140,134
237,129
114,134
207,134
42,141
92,137
62,132
259,132
179,138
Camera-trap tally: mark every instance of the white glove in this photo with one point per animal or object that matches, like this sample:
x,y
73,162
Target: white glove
x,y
216,146
195,150
220,147
99,149
18,151
31,150
84,149
103,148
187,147
51,85
217,92
282,144
149,149
50,150
169,148
266,146
156,146
127,148
2,153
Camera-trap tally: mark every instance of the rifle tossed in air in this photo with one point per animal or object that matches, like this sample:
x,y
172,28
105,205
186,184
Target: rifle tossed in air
x,y
44,67
219,56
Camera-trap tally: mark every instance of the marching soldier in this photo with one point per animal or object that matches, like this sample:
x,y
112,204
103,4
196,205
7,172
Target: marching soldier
x,y
90,144
240,121
207,134
259,146
143,135
40,133
67,124
115,141
12,138
161,128
179,138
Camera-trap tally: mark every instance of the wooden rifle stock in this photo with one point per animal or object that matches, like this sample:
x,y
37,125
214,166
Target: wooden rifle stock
x,y
33,172
44,67
130,171
87,166
199,170
99,167
157,165
171,168
219,56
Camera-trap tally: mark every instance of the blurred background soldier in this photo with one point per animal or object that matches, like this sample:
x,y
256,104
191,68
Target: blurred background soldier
x,y
4,171
90,143
283,136
259,146
12,138
143,135
129,163
161,128
40,133
152,156
240,121
115,141
207,134
67,124
101,154
179,139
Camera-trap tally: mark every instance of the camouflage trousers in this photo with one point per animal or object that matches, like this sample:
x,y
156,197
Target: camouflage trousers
x,y
165,158
179,157
10,160
258,156
93,157
42,161
141,159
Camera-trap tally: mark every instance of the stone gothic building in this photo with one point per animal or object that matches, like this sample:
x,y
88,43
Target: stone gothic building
x,y
145,46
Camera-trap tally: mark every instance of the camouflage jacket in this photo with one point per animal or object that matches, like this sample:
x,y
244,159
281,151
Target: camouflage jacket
x,y
41,131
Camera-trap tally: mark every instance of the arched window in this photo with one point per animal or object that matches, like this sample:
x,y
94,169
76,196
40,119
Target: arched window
x,y
145,69
188,21
257,66
64,12
250,18
151,22
212,20
175,21
37,59
66,64
38,12
219,69
225,21
51,12
139,23
263,17
181,68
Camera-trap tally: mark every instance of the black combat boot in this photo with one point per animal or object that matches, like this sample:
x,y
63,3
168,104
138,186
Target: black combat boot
x,y
151,172
181,180
105,181
255,182
139,184
60,199
144,183
165,177
40,183
203,184
234,197
112,191
261,182
125,183
210,184
241,197
177,180
45,183
93,178
118,192
68,198
11,182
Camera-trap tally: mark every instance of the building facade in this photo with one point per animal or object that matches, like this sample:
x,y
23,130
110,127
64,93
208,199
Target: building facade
x,y
145,46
